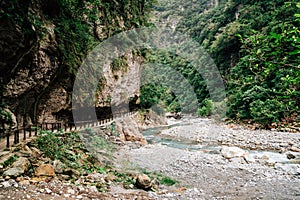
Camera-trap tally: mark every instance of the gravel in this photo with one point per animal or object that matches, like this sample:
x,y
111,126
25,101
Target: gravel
x,y
269,169
208,175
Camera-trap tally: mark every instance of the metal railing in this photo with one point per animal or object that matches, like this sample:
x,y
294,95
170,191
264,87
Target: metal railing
x,y
13,136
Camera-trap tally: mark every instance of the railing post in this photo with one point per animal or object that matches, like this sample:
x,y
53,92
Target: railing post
x,y
30,130
36,130
16,136
24,129
7,140
24,132
52,128
2,130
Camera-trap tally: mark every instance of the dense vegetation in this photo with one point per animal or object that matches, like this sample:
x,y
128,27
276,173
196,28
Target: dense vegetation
x,y
71,28
255,45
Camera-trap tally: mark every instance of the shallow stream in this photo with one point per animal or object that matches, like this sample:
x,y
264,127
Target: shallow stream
x,y
153,136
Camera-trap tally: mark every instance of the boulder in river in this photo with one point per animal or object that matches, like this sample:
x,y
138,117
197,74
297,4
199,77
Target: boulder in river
x,y
232,152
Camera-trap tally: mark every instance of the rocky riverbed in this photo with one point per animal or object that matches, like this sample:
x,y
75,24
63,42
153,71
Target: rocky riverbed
x,y
218,161
210,160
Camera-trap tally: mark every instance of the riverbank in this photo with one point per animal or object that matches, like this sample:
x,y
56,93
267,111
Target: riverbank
x,y
267,166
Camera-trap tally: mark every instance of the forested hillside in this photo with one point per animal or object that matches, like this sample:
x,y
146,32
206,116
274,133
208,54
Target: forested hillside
x,y
254,44
256,47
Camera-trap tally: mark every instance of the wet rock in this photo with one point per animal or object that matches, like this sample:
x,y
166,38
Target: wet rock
x,y
231,152
290,156
143,181
45,170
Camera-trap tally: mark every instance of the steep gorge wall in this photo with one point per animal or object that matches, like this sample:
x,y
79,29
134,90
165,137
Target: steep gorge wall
x,y
42,44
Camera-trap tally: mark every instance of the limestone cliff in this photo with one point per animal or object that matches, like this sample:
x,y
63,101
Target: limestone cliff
x,y
42,44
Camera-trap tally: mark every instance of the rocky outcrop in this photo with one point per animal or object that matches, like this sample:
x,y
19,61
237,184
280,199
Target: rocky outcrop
x,y
13,172
149,119
129,130
121,85
39,60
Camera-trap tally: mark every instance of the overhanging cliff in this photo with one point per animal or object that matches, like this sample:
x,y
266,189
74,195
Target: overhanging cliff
x,y
43,43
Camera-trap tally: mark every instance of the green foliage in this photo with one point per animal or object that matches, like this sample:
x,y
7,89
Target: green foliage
x,y
97,143
255,45
206,110
266,112
52,145
168,78
5,117
10,161
265,84
151,94
167,181
119,64
162,179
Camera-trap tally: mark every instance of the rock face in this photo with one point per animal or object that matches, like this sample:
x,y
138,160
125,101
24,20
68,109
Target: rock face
x,y
121,85
149,119
129,130
152,119
35,68
232,152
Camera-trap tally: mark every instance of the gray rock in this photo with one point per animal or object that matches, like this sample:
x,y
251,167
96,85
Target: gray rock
x,y
14,172
22,163
58,166
231,152
129,130
6,184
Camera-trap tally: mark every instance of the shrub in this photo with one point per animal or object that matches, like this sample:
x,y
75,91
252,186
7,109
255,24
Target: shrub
x,y
206,110
266,112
